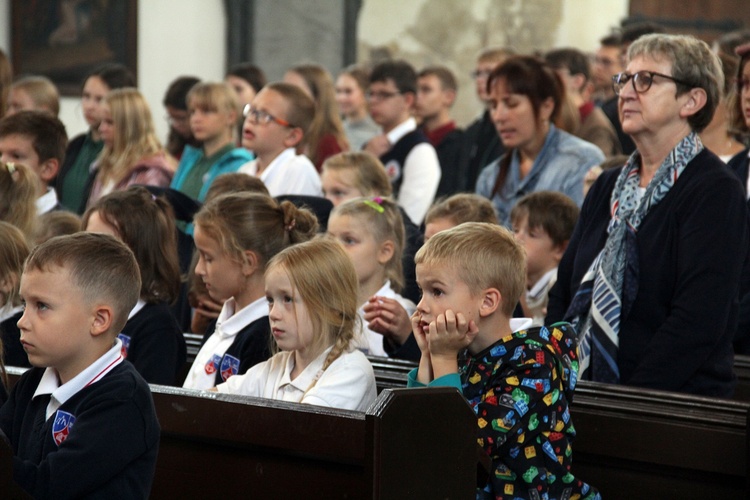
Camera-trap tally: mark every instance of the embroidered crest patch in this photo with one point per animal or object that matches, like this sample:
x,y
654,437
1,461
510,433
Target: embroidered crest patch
x,y
229,366
62,426
393,169
125,344
212,365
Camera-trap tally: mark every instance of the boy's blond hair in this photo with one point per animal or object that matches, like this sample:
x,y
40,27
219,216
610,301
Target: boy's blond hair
x,y
484,256
101,266
462,207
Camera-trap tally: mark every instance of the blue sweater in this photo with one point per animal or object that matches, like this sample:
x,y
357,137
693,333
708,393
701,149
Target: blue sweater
x,y
229,163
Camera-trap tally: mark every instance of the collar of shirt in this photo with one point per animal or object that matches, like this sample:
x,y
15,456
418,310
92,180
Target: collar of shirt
x,y
59,394
518,324
401,130
540,285
46,202
138,306
230,322
282,158
311,373
7,311
437,135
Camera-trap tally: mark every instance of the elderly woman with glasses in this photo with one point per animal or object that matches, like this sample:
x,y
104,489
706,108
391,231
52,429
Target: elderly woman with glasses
x,y
651,277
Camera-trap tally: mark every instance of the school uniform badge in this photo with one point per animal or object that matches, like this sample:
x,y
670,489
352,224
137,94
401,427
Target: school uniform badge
x,y
229,366
393,170
62,426
212,365
125,344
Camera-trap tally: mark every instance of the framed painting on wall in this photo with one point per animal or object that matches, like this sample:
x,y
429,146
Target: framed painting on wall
x,y
65,39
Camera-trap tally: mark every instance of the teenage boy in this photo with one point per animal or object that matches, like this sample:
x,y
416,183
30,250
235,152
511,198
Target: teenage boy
x,y
520,384
436,93
81,423
410,160
574,69
542,223
275,123
483,146
38,140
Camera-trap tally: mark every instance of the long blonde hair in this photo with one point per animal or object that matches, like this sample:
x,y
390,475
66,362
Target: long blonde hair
x,y
323,274
18,192
134,135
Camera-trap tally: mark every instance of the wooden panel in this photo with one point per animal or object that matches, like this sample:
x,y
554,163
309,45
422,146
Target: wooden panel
x,y
706,19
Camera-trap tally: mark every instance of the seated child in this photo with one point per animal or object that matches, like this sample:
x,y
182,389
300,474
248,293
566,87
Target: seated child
x,y
520,384
372,233
213,115
543,223
57,223
81,423
311,289
387,316
236,235
275,124
178,117
13,251
18,191
38,140
347,176
33,93
152,339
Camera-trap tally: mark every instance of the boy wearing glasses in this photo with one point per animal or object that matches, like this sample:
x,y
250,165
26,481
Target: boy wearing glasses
x,y
276,122
410,160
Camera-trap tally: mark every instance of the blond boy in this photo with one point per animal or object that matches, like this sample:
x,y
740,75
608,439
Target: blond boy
x,y
275,124
518,383
82,422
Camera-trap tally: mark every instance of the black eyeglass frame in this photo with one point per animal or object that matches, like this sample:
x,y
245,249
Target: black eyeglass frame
x,y
618,84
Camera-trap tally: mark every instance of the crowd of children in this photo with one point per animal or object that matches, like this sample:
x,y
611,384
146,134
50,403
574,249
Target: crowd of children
x,y
327,221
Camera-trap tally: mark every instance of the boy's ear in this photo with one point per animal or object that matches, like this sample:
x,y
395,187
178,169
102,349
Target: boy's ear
x,y
250,263
491,300
48,170
103,317
386,251
559,249
294,137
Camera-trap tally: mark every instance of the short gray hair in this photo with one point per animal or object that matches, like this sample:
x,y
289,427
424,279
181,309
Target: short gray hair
x,y
692,61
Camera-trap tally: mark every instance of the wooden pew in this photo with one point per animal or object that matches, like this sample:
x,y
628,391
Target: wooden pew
x,y
638,443
410,444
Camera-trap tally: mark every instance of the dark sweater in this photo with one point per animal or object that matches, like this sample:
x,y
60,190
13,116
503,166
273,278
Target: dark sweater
x,y
251,346
13,352
110,452
691,248
154,343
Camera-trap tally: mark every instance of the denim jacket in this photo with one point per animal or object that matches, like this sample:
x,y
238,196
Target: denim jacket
x,y
560,166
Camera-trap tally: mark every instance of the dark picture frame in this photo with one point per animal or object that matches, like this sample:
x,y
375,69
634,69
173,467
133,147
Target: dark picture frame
x,y
65,39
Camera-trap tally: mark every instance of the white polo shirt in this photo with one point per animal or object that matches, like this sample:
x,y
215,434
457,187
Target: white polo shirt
x,y
288,173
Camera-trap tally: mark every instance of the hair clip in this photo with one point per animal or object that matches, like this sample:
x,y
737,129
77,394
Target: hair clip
x,y
11,167
291,225
375,204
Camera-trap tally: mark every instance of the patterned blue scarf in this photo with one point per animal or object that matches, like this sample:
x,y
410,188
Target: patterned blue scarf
x,y
609,287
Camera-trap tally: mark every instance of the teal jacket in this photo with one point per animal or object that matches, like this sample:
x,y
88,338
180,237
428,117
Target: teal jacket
x,y
230,162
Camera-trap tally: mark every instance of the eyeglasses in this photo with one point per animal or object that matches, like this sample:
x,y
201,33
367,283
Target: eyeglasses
x,y
260,117
642,81
480,73
380,95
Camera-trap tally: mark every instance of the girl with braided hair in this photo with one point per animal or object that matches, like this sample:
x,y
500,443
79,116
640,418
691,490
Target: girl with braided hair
x,y
311,289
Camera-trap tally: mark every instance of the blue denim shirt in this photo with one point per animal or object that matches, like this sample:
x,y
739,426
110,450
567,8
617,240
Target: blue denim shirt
x,y
560,166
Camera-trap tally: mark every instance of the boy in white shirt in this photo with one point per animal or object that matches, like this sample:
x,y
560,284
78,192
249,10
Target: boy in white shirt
x,y
543,223
275,123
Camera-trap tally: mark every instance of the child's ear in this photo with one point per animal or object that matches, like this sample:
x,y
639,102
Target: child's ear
x,y
103,317
491,299
250,263
386,251
294,137
48,170
559,249
232,116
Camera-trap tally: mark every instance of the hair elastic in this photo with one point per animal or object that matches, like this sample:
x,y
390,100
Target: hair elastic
x,y
11,168
375,204
291,225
